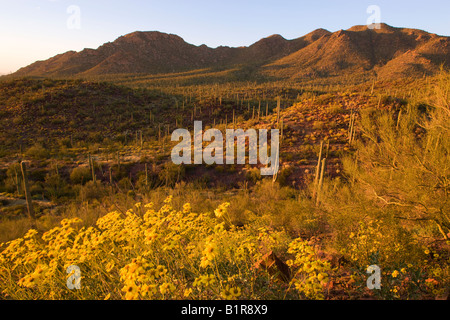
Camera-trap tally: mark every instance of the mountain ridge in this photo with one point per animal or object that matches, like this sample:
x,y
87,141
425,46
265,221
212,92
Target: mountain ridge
x,y
384,52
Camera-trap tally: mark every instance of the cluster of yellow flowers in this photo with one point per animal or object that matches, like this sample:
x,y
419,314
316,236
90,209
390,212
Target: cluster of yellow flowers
x,y
140,279
231,293
32,280
312,272
153,254
370,242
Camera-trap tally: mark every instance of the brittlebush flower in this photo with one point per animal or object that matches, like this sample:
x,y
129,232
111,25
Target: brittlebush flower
x,y
168,200
236,292
226,293
204,262
187,293
187,208
210,250
231,293
221,210
161,270
166,287
131,291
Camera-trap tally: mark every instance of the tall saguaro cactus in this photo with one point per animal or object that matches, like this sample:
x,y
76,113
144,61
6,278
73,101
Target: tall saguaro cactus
x,y
319,187
316,178
351,128
28,195
92,168
17,180
278,109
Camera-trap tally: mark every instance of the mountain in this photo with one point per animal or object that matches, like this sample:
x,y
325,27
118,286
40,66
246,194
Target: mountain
x,y
155,52
387,52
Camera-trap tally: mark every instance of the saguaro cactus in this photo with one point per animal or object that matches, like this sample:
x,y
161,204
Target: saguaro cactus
x,y
316,178
146,174
28,195
110,176
234,121
319,188
259,110
351,129
278,109
281,128
91,164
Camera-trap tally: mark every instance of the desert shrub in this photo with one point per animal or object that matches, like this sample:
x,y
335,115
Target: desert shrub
x,y
38,173
253,175
37,151
403,171
283,175
318,125
394,200
55,186
171,173
65,142
92,191
124,184
336,109
13,178
80,175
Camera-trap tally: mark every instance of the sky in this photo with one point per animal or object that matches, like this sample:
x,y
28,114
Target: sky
x,y
32,30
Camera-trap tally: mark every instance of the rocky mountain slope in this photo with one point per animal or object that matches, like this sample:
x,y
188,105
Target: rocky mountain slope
x,y
386,52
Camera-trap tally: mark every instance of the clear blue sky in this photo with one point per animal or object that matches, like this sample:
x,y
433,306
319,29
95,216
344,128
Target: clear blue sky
x,y
33,30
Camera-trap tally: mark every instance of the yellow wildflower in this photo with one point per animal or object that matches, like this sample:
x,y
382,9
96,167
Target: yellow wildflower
x,y
131,291
187,208
210,250
166,287
204,263
221,210
187,293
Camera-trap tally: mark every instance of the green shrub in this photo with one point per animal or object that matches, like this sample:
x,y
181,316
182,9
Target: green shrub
x,y
37,151
92,191
80,175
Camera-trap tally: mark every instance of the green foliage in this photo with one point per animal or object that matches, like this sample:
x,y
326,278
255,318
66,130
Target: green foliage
x,y
80,175
92,191
37,151
253,175
404,164
171,173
